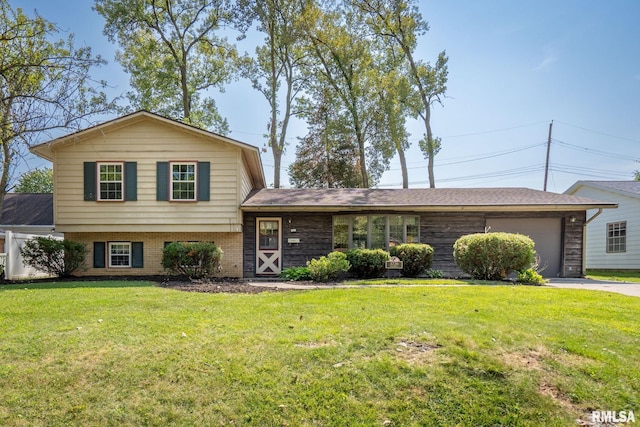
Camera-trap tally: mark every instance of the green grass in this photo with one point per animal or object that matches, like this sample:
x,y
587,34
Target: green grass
x,y
615,275
418,281
129,353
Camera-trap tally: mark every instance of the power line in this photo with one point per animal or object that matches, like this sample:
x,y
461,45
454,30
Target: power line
x,y
601,133
594,151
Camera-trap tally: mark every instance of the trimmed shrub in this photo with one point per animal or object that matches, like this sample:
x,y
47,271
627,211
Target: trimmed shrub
x,y
368,263
296,273
54,256
195,260
493,256
329,267
416,258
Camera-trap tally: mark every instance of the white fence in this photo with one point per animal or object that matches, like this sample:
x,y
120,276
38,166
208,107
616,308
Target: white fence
x,y
13,267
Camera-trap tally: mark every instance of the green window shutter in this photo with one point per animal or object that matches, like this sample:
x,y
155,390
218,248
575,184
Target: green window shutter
x,y
99,254
204,174
131,181
90,181
162,181
137,255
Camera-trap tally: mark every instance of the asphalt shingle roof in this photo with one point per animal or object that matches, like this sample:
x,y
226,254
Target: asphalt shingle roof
x,y
27,209
628,187
422,198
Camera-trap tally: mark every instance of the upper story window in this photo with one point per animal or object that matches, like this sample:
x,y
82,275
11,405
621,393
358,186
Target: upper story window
x,y
110,181
183,181
374,231
617,236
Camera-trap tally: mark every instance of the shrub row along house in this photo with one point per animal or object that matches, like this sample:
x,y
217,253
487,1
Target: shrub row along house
x,y
129,186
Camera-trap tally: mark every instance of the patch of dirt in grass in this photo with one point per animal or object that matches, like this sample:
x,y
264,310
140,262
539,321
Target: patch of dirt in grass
x,y
314,344
415,352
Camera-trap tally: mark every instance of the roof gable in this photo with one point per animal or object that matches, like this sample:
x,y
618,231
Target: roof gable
x,y
250,153
625,188
27,209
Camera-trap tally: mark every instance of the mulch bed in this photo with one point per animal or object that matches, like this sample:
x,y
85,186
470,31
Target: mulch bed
x,y
228,285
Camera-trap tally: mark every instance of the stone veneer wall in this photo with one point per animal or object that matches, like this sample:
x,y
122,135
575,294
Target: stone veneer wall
x,y
230,243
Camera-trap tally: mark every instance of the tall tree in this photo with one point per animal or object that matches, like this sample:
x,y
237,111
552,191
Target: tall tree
x,y
35,181
275,71
171,51
325,157
45,86
345,62
636,175
401,22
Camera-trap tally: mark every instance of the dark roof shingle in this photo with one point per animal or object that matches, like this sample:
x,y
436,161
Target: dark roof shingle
x,y
27,209
419,198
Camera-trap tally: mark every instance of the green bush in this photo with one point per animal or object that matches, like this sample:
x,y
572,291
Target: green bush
x,y
368,263
328,268
416,258
493,256
530,277
433,274
54,256
296,273
194,260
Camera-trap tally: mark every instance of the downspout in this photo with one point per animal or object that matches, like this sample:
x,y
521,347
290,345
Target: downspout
x,y
584,241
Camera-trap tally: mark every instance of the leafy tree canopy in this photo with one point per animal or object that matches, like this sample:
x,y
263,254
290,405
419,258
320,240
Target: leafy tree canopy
x,y
36,181
173,54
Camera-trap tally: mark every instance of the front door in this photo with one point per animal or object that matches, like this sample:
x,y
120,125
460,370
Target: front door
x,y
268,246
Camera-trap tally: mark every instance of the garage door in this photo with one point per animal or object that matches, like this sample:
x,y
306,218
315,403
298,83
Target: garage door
x,y
545,232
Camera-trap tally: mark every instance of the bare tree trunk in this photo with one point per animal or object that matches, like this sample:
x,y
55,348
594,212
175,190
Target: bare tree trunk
x,y
403,167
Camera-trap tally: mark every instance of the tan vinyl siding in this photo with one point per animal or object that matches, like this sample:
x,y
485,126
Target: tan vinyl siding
x,y
247,185
147,142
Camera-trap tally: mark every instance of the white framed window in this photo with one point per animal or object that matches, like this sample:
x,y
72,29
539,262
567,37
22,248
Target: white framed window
x,y
110,181
617,237
183,181
119,254
374,231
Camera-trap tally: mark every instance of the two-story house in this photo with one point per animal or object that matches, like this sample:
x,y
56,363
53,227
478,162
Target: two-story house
x,y
129,186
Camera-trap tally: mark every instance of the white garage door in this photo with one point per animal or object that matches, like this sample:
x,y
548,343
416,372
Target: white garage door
x,y
545,232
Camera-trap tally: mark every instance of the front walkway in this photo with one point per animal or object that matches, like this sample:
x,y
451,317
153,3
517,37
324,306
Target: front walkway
x,y
624,288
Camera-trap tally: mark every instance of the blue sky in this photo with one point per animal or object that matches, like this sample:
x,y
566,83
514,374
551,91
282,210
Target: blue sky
x,y
513,68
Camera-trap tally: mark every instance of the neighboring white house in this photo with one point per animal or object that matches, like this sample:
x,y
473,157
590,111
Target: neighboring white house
x,y
613,236
23,216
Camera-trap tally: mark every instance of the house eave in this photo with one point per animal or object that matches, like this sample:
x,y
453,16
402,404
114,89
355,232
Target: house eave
x,y
423,208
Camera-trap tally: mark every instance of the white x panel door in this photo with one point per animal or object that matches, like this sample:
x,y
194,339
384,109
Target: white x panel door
x,y
268,247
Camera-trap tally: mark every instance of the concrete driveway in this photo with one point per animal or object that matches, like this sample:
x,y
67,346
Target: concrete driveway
x,y
624,288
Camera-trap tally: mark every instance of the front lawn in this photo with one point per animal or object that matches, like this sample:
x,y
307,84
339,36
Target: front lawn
x,y
615,275
130,353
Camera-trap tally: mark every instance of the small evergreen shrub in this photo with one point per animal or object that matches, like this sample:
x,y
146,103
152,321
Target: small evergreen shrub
x,y
416,258
530,277
329,267
54,256
493,256
368,263
296,273
195,260
433,274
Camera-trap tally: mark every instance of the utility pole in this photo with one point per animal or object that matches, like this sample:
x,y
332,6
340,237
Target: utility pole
x,y
546,166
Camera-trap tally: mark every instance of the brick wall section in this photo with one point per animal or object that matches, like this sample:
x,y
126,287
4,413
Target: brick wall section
x,y
230,243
